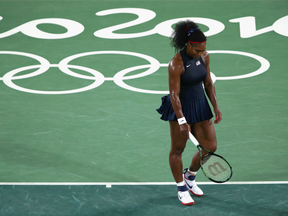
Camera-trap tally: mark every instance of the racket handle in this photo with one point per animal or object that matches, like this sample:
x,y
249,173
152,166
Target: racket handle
x,y
193,139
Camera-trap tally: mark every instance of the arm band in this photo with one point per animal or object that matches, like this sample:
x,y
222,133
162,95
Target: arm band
x,y
181,121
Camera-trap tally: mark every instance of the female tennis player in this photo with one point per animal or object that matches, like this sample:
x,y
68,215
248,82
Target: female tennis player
x,y
186,106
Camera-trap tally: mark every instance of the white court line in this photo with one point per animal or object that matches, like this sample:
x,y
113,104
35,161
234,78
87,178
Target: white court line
x,y
109,184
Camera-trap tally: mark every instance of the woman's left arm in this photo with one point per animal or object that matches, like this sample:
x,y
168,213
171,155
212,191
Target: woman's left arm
x,y
210,89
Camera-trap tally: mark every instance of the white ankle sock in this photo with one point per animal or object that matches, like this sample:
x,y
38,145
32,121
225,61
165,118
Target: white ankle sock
x,y
192,173
180,183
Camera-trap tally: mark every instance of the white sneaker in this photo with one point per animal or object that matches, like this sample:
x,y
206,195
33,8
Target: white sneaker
x,y
192,186
185,198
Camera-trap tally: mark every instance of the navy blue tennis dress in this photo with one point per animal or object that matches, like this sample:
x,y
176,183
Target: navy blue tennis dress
x,y
194,103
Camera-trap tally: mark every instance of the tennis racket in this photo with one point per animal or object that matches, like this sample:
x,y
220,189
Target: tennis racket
x,y
214,166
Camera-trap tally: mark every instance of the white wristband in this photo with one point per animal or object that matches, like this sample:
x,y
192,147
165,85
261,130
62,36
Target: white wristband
x,y
181,121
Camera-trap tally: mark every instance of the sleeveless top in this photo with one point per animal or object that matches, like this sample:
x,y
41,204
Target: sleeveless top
x,y
195,106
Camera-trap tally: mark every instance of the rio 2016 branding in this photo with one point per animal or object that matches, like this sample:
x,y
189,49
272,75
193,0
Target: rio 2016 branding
x,y
247,27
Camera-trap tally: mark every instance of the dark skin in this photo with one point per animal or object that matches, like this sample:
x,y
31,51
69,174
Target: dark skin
x,y
203,131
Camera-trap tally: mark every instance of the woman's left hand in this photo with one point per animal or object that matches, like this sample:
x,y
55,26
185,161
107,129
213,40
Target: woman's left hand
x,y
218,116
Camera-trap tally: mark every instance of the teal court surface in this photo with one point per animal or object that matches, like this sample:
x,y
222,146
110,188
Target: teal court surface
x,y
80,82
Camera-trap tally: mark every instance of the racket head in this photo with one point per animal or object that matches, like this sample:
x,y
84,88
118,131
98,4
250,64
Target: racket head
x,y
216,168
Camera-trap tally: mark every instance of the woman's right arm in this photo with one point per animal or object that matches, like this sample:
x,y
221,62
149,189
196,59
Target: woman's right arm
x,y
175,69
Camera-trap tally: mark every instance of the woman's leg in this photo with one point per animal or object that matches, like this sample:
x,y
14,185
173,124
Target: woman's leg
x,y
206,136
178,144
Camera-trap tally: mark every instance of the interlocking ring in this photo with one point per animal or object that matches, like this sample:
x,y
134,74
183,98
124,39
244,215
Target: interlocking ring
x,y
99,78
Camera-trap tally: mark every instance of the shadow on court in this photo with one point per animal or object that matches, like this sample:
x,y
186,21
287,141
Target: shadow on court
x,y
142,200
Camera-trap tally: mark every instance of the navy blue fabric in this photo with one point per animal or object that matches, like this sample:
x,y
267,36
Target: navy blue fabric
x,y
191,177
182,188
195,106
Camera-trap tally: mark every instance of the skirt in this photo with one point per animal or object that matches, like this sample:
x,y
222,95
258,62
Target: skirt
x,y
193,110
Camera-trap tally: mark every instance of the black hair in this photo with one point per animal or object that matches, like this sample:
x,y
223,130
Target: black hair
x,y
185,31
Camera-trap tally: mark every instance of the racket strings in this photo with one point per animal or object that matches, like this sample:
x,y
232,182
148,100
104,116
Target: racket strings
x,y
216,168
205,159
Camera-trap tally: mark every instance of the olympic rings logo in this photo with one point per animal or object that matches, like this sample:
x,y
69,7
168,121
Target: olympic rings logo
x,y
119,78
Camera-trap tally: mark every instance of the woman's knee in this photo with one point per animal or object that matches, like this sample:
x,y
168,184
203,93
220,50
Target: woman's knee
x,y
213,147
205,133
177,149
